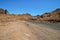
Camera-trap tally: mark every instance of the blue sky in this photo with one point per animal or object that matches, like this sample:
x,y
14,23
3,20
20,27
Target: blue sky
x,y
33,7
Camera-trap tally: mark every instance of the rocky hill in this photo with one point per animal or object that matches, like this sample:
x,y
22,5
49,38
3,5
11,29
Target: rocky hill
x,y
53,16
50,16
14,27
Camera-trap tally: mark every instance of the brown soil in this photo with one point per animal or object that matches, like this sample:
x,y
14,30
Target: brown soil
x,y
23,30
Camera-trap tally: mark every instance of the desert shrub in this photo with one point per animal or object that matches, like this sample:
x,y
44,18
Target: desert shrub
x,y
58,13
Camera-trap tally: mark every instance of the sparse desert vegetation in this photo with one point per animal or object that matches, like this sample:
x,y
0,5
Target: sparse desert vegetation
x,y
27,27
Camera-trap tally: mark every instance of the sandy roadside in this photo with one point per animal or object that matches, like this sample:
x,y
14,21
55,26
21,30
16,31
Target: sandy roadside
x,y
22,30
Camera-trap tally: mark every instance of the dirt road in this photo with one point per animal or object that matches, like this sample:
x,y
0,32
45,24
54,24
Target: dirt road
x,y
23,30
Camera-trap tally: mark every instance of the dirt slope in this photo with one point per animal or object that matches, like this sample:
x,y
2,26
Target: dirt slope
x,y
22,30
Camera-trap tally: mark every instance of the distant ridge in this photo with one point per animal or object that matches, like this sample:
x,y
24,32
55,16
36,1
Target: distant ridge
x,y
53,16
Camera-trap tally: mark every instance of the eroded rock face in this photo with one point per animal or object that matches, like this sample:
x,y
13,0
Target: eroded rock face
x,y
2,11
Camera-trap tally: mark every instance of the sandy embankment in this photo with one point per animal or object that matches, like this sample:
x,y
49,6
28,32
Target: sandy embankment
x,y
22,30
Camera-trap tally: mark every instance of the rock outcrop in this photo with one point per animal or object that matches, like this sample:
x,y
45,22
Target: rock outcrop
x,y
2,11
51,16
